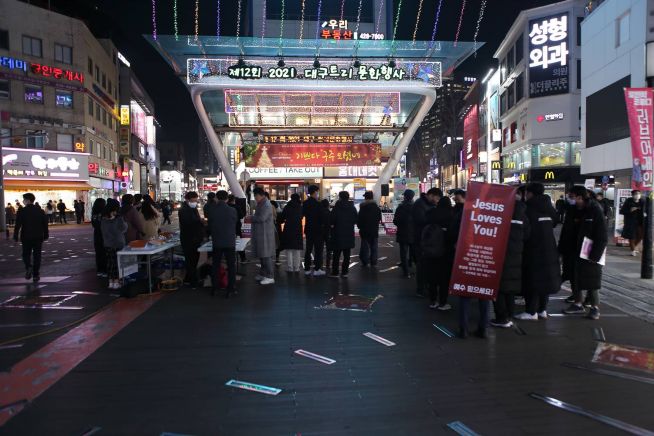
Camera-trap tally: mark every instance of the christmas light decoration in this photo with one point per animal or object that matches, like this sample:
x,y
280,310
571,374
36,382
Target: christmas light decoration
x,y
481,17
154,19
281,28
318,20
218,19
175,19
197,19
359,16
342,9
379,14
238,21
397,20
458,29
438,16
302,22
415,29
263,21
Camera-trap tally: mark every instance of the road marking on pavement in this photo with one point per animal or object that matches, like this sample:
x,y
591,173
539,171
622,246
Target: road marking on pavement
x,y
389,269
574,315
33,324
91,431
353,263
316,357
379,339
444,330
33,375
253,387
598,334
461,429
615,423
610,373
44,279
12,346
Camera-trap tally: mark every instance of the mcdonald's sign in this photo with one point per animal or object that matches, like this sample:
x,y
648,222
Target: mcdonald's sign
x,y
549,175
510,165
496,165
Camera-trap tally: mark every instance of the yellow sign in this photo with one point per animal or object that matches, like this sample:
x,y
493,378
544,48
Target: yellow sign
x,y
80,147
510,165
496,165
359,183
549,175
523,177
124,115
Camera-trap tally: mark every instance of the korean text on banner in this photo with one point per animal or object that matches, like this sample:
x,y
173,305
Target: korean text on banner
x,y
481,247
639,110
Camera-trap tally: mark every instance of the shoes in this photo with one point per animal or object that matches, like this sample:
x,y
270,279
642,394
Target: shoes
x,y
524,316
463,333
308,272
433,306
594,313
501,324
319,273
290,271
259,277
482,333
28,273
542,315
420,294
587,303
268,281
36,278
574,309
634,253
445,307
570,299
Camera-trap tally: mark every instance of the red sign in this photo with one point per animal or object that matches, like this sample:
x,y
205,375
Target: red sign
x,y
639,110
641,359
481,247
470,135
314,155
57,73
93,168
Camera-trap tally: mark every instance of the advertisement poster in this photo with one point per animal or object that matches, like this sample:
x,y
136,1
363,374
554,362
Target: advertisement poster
x,y
481,247
640,359
401,184
639,111
621,196
549,72
312,155
471,136
387,223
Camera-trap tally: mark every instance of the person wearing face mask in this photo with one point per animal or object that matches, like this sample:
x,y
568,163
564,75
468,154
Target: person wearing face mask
x,y
191,234
32,226
567,245
633,229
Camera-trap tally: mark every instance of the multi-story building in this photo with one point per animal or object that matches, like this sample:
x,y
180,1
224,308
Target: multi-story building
x,y
539,94
59,118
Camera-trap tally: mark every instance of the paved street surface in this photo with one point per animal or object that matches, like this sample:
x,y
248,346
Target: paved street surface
x,y
159,364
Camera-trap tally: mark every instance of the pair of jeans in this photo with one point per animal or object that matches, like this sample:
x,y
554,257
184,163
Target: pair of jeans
x,y
504,307
464,313
314,245
368,253
230,259
191,258
345,268
32,249
267,267
294,259
536,302
406,253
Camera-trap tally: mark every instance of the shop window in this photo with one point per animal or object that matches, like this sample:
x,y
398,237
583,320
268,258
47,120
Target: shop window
x,y
34,94
90,106
104,80
552,154
97,74
98,150
32,46
111,122
510,60
511,96
64,99
503,71
503,100
109,87
34,138
64,142
519,49
90,64
5,90
91,147
63,53
97,112
4,39
5,137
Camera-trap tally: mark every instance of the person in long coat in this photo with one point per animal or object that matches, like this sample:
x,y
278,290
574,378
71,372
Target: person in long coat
x,y
511,281
291,238
439,269
404,235
342,220
591,242
263,237
633,210
191,234
368,222
567,245
541,267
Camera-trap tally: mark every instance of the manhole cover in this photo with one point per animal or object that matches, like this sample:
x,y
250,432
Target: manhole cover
x,y
36,301
356,303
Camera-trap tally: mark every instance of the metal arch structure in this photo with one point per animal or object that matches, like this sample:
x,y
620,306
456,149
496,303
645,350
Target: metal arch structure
x,y
428,95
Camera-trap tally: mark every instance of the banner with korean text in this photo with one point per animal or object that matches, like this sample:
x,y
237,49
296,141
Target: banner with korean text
x,y
481,246
639,110
313,155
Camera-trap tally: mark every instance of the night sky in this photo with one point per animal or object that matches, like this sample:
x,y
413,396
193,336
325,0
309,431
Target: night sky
x,y
125,21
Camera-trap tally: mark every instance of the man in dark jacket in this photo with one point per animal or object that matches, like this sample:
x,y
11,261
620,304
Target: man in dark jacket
x,y
291,237
32,226
560,207
191,233
404,234
541,267
342,220
511,281
368,222
240,214
633,210
419,221
222,227
437,257
61,207
591,245
313,214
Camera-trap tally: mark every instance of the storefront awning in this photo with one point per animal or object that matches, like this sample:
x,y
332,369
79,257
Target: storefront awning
x,y
40,185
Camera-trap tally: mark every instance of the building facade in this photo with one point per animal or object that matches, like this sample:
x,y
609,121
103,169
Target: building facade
x,y
539,96
59,117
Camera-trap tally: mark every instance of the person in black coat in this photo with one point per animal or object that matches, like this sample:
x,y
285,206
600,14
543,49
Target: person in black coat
x,y
313,213
191,234
291,238
633,210
404,233
32,226
541,267
591,242
419,221
342,220
326,233
96,221
222,221
511,281
437,260
240,214
368,222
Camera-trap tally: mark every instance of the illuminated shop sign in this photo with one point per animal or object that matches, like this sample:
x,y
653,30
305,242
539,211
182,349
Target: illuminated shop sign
x,y
550,117
80,147
285,173
366,172
124,115
18,163
548,55
307,139
13,64
207,70
57,73
95,168
313,155
338,29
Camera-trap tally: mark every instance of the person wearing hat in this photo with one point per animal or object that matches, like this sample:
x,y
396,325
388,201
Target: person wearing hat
x,y
404,234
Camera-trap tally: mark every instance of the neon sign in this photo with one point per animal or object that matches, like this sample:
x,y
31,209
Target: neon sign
x,y
363,73
57,73
12,63
548,55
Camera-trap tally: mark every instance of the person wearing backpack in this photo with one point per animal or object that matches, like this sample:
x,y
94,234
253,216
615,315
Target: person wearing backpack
x,y
436,256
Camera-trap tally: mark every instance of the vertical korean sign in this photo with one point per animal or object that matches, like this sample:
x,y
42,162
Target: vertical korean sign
x,y
639,111
548,56
481,247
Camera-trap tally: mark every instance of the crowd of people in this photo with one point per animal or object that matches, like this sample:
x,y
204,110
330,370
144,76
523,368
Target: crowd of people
x,y
55,212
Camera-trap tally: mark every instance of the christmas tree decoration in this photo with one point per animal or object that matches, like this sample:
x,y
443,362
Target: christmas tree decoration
x,y
154,19
197,20
302,22
379,15
458,29
438,16
415,30
481,17
264,159
175,20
